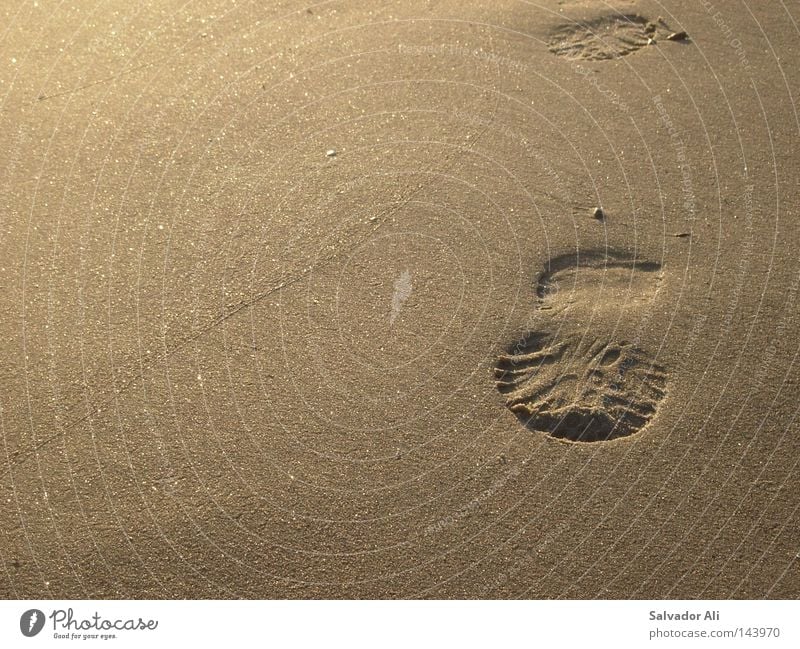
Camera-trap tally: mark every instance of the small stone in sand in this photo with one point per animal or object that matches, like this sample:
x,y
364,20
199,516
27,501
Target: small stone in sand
x,y
598,213
330,153
678,36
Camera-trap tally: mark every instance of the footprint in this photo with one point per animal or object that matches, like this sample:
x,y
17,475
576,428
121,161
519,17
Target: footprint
x,y
607,37
578,387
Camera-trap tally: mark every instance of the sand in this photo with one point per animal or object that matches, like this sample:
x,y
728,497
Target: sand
x,y
314,302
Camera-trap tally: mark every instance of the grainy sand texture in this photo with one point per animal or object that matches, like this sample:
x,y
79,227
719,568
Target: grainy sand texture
x,y
399,299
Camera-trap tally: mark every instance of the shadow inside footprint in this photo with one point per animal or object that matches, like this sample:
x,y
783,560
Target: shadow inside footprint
x,y
576,387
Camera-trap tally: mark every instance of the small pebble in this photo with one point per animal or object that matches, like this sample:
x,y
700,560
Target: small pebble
x,y
598,213
330,153
678,36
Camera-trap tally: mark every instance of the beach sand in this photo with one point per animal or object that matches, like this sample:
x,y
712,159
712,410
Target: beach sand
x,y
312,301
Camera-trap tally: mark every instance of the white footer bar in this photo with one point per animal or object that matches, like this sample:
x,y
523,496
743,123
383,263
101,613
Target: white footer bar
x,y
401,624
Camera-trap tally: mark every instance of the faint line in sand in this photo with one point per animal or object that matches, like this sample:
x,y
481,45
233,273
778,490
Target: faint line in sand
x,y
402,291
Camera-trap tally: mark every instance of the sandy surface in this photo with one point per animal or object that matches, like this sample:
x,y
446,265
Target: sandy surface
x,y
311,302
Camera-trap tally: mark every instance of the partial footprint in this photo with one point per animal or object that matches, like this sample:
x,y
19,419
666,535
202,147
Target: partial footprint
x,y
607,37
580,390
597,281
579,387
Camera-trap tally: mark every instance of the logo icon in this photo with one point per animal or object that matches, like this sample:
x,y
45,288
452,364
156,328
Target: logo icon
x,y
31,622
